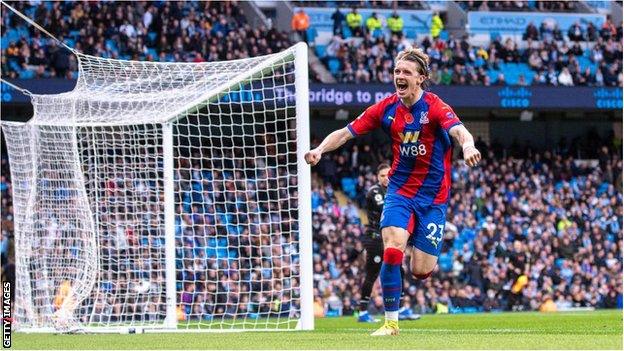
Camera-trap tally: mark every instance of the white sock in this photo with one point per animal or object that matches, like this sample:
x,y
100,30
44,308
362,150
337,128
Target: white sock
x,y
392,316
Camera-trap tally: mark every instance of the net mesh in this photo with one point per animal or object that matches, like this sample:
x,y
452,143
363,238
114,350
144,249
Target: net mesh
x,y
90,197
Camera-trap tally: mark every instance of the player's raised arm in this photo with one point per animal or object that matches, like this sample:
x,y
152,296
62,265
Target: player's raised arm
x,y
331,142
462,136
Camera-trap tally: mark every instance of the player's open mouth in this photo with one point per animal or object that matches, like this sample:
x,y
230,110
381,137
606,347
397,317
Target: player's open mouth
x,y
401,87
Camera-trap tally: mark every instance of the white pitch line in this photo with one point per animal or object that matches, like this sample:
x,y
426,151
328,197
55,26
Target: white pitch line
x,y
443,330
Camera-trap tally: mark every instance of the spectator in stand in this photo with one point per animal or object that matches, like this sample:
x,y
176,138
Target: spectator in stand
x,y
436,25
175,31
592,32
531,32
565,78
608,30
300,24
373,24
337,19
395,24
354,22
575,33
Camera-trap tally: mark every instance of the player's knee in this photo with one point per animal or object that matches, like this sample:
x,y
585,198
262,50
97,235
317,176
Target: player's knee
x,y
393,256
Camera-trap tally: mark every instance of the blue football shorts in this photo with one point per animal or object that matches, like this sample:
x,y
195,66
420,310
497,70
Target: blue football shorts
x,y
425,223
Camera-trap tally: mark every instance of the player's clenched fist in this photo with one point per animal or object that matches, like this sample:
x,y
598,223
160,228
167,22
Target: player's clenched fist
x,y
313,157
472,156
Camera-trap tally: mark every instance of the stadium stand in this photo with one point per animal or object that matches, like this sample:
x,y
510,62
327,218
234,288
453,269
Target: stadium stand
x,y
152,31
539,59
198,31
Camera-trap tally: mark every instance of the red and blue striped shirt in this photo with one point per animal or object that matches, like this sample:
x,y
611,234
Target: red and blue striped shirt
x,y
421,146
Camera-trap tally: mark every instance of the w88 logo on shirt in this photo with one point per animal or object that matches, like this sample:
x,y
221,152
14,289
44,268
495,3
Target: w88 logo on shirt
x,y
413,150
409,145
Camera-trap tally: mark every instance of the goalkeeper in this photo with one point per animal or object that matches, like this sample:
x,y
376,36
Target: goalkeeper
x,y
421,127
374,246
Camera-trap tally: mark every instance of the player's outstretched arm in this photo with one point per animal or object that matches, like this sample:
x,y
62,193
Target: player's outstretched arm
x,y
462,136
331,142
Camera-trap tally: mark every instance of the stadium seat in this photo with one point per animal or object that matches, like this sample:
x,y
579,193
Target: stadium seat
x,y
334,66
348,186
70,42
111,45
320,50
153,52
446,261
26,74
151,36
312,33
585,62
410,34
346,32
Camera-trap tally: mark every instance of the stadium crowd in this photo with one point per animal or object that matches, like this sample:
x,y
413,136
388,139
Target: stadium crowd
x,y
211,31
585,56
561,6
193,31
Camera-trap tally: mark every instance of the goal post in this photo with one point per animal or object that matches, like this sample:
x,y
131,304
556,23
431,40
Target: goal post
x,y
166,196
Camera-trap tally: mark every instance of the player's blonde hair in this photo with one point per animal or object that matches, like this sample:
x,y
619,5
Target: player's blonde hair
x,y
417,56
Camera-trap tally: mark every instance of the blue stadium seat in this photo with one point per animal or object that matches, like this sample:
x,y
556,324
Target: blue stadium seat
x,y
12,35
493,74
585,62
346,32
23,32
151,36
348,186
153,52
4,43
312,34
111,45
410,34
70,42
446,261
26,74
320,50
334,66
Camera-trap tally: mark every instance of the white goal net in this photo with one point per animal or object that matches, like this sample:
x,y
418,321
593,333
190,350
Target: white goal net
x,y
166,195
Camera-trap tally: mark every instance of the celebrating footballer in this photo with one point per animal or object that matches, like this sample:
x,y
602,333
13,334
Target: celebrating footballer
x,y
421,127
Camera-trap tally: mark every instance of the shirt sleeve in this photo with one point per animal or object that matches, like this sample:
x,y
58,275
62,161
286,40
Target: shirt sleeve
x,y
445,116
368,121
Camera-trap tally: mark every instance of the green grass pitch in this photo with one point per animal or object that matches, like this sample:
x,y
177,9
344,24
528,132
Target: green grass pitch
x,y
572,330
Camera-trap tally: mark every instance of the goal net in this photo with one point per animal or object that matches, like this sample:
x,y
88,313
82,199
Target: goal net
x,y
166,196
